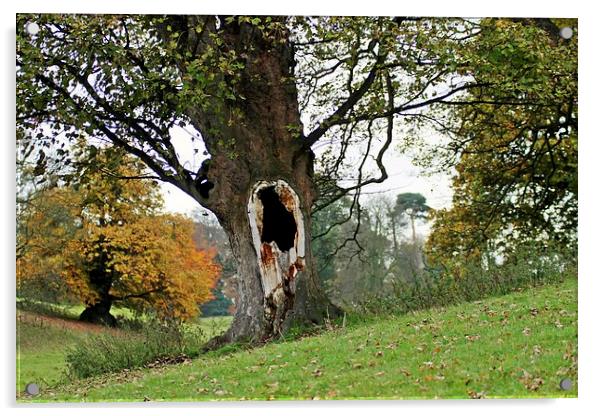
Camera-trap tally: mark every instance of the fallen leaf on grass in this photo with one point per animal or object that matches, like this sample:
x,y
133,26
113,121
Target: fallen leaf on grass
x,y
476,395
530,382
535,384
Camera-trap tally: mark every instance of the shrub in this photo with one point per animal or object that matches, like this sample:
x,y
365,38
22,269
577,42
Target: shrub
x,y
157,342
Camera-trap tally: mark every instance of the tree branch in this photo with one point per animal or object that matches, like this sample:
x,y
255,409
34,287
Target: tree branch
x,y
353,98
379,158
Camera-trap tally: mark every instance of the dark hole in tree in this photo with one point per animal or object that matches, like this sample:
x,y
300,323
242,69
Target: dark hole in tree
x,y
278,223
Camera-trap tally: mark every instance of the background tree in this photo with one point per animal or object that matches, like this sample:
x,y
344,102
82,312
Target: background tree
x,y
241,82
106,240
516,163
412,205
209,235
379,258
328,239
46,223
220,305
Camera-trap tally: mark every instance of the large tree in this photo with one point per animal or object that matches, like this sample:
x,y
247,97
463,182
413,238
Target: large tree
x,y
242,85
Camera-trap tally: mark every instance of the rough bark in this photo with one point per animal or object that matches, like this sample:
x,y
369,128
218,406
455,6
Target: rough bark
x,y
267,148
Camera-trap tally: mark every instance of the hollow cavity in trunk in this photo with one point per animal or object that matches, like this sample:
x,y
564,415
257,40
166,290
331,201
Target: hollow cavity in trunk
x,y
277,228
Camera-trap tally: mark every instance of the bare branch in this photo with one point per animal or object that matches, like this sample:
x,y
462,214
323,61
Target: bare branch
x,y
379,158
348,104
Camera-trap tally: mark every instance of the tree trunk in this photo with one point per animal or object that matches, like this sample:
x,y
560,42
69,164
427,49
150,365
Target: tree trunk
x,y
278,282
259,184
99,313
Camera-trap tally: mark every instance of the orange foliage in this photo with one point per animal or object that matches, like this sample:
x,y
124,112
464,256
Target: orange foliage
x,y
152,262
46,225
116,235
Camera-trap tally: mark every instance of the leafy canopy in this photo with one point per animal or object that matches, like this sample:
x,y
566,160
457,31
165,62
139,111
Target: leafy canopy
x,y
515,147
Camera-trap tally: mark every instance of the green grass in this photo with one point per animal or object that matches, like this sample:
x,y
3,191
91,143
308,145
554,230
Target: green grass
x,y
153,342
43,343
41,350
518,345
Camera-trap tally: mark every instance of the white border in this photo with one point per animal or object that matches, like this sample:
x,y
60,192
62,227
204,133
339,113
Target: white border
x,y
589,230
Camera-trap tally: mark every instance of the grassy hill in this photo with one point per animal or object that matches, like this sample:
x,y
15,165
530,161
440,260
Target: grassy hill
x,y
518,345
44,339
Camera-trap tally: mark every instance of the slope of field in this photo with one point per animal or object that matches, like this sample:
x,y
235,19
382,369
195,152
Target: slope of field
x,y
43,341
519,345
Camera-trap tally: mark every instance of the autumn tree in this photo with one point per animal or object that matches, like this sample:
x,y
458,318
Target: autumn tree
x,y
149,265
240,85
107,241
47,221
